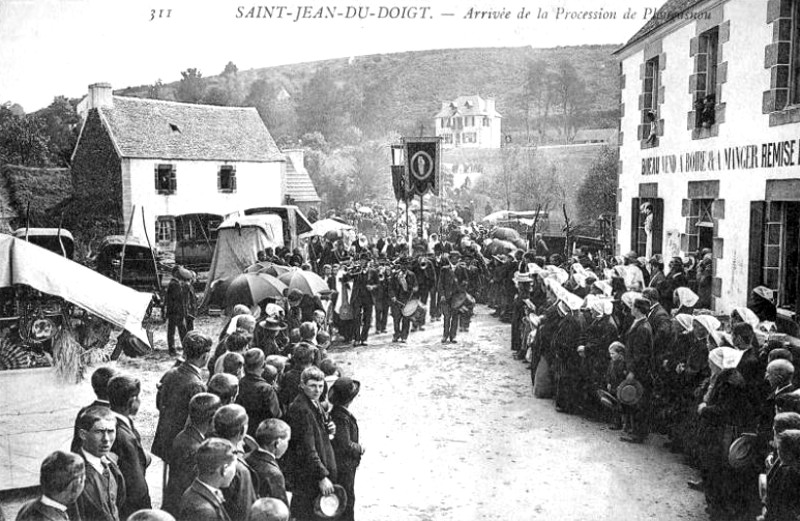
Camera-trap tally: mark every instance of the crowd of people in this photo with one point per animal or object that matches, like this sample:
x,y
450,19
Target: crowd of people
x,y
257,427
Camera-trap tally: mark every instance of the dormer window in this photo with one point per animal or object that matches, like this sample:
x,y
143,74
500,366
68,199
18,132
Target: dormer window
x,y
468,104
173,127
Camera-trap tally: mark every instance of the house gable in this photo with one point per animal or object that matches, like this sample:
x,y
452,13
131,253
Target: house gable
x,y
96,172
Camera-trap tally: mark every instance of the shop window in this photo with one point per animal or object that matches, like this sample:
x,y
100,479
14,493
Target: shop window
x,y
226,179
700,225
166,180
165,229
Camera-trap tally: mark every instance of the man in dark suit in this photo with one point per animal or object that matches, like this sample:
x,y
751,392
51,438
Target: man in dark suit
x,y
230,423
176,389
311,464
104,487
216,468
100,378
272,437
257,397
182,467
402,287
123,395
176,304
61,478
638,364
365,281
661,324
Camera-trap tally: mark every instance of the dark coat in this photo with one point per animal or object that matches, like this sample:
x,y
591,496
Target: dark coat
x,y
783,501
102,500
396,290
176,299
182,468
259,399
290,387
37,511
175,391
345,442
309,457
639,350
76,438
661,324
241,493
270,477
132,464
199,504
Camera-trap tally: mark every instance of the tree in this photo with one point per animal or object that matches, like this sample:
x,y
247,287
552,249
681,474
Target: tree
x,y
326,106
230,69
262,96
570,94
598,191
191,88
60,125
23,140
156,90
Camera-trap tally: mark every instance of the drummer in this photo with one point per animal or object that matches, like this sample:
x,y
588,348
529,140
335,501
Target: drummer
x,y
402,287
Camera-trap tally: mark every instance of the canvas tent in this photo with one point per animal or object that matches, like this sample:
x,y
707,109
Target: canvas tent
x,y
33,424
239,239
25,263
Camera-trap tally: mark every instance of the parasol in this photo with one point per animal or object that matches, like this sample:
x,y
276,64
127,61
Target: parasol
x,y
269,268
251,288
306,281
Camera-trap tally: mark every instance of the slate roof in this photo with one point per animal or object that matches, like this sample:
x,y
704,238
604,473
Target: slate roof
x,y
145,128
587,135
467,106
673,7
298,183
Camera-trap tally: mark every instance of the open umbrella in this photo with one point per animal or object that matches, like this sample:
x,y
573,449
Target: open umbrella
x,y
269,268
252,288
306,281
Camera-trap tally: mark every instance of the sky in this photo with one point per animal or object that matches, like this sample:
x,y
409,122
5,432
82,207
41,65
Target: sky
x,y
59,47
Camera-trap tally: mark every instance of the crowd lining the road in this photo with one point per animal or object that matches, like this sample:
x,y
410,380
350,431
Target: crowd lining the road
x,y
258,427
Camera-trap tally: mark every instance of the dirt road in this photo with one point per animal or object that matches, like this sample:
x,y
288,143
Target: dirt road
x,y
453,432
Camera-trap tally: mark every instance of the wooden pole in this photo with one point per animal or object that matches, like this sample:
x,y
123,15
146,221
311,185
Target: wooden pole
x,y
125,243
58,236
27,220
152,253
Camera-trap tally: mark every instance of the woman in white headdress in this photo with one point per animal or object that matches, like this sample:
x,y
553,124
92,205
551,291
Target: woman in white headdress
x,y
600,333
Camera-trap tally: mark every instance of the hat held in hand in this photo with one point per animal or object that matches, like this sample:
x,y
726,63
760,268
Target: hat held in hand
x,y
332,505
630,392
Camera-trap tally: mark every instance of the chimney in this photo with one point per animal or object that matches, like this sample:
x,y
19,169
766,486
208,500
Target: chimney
x,y
99,96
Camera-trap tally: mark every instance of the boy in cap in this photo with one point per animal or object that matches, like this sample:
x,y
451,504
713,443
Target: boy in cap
x,y
230,423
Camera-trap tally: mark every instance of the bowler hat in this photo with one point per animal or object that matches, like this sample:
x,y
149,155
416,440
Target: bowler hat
x,y
343,390
742,451
630,392
273,324
332,505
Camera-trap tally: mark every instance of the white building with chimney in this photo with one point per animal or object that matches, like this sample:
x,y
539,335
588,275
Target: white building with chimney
x,y
469,122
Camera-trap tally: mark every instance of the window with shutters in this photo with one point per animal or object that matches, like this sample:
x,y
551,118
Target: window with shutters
x,y
226,179
705,79
448,139
166,182
469,121
486,121
470,137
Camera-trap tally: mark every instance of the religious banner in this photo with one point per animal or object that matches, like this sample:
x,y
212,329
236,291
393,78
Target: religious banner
x,y
422,160
400,182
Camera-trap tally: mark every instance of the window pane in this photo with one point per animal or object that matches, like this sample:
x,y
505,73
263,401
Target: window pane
x,y
774,234
772,256
774,212
771,277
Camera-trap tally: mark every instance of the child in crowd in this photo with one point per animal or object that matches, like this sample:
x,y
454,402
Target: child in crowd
x,y
272,436
615,374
